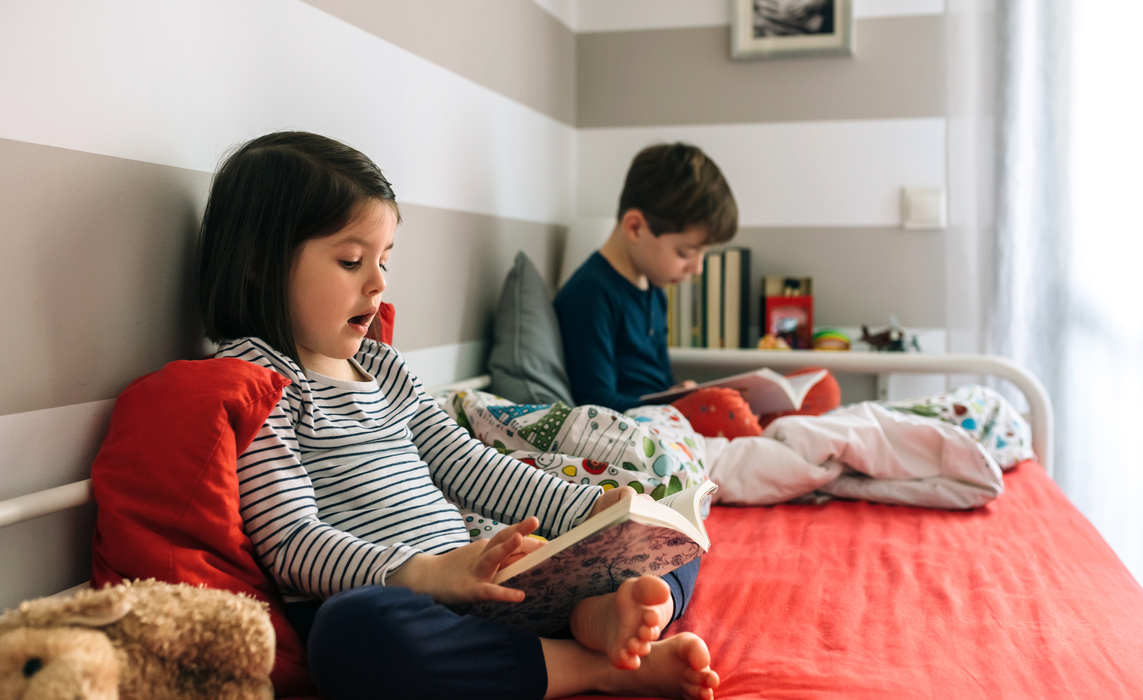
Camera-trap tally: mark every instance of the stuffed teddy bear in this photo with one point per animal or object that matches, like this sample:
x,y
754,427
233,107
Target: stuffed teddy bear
x,y
138,641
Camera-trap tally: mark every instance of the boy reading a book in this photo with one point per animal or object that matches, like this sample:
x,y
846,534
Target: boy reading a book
x,y
613,311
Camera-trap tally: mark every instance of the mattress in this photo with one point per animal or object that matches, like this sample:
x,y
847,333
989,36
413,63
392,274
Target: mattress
x,y
1018,599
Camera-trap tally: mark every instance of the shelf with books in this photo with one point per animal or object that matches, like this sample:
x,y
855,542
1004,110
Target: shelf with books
x,y
712,309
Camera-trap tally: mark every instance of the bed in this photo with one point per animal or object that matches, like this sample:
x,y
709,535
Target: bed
x,y
1018,599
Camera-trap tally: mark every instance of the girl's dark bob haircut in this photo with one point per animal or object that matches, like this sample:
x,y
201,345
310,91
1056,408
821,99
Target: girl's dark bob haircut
x,y
677,186
270,196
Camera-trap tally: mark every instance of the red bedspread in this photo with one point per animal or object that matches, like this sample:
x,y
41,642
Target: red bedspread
x,y
1020,599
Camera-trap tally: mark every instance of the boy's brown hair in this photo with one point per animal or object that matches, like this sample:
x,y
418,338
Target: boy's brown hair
x,y
677,186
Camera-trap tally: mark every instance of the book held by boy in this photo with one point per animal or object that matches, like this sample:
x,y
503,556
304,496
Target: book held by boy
x,y
765,390
634,537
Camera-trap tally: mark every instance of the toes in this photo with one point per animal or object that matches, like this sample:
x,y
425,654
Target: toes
x,y
650,590
697,692
627,661
693,650
637,648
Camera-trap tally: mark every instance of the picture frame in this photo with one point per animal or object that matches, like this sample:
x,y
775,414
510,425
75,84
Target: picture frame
x,y
789,28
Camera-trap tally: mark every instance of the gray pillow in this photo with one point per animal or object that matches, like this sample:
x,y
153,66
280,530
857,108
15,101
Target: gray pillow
x,y
527,361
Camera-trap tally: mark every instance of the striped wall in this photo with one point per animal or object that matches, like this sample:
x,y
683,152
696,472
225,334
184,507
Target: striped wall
x,y
498,122
816,150
115,113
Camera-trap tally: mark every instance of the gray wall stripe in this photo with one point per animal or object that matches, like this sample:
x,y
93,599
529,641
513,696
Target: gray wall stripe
x,y
685,76
511,46
97,275
859,273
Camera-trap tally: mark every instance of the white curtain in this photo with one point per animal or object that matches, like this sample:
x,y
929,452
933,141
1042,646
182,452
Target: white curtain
x,y
1063,280
1102,350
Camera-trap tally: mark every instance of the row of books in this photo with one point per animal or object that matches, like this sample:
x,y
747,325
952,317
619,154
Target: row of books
x,y
712,310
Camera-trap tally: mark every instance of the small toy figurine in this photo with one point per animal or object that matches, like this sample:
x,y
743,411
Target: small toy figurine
x,y
831,339
891,340
772,342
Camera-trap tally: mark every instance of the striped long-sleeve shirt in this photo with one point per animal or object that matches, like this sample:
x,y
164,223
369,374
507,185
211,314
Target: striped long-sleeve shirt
x,y
347,480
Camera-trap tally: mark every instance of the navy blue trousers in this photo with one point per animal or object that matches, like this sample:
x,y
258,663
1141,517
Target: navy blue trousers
x,y
388,642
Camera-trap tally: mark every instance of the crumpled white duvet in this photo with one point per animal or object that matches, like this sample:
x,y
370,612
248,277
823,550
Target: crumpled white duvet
x,y
863,451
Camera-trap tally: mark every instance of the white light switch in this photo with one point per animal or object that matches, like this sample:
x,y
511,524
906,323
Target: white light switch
x,y
923,208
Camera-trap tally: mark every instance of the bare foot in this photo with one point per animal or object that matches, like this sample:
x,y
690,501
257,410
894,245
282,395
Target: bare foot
x,y
678,667
623,624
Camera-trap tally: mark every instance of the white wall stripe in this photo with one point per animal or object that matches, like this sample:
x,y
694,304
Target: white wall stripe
x,y
51,447
446,364
633,15
836,173
179,83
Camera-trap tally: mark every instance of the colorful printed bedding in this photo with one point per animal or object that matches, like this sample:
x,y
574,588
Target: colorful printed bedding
x,y
864,451
1019,599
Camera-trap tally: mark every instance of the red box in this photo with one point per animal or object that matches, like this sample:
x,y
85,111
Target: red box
x,y
791,319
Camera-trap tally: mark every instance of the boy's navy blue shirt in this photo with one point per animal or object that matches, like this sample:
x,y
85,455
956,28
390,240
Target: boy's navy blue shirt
x,y
615,336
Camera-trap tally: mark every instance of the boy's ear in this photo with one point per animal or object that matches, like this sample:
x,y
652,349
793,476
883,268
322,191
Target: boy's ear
x,y
632,223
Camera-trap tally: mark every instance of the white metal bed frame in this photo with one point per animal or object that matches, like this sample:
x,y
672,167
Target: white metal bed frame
x,y
686,360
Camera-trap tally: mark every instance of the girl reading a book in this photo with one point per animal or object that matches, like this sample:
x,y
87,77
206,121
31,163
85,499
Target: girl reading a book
x,y
348,491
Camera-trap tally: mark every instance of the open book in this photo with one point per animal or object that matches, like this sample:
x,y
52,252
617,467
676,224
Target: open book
x,y
631,538
765,390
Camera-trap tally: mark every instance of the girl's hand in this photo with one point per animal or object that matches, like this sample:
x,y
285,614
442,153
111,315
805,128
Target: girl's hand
x,y
465,574
613,496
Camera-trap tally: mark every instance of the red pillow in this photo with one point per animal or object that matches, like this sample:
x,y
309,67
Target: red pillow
x,y
718,412
381,329
166,485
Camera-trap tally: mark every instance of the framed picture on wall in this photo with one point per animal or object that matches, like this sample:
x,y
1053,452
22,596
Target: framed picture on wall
x,y
785,28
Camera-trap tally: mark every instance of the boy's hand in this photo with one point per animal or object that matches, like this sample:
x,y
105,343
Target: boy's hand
x,y
613,496
465,574
688,384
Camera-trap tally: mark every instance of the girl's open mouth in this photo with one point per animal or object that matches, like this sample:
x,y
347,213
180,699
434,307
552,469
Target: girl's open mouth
x,y
361,322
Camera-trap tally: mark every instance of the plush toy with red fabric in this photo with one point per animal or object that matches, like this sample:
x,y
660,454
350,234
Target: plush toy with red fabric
x,y
720,412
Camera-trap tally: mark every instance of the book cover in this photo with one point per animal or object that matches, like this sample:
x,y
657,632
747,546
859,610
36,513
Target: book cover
x,y
765,390
736,297
712,297
631,538
686,314
745,294
697,325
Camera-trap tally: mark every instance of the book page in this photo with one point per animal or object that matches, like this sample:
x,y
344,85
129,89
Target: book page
x,y
765,390
689,504
801,384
